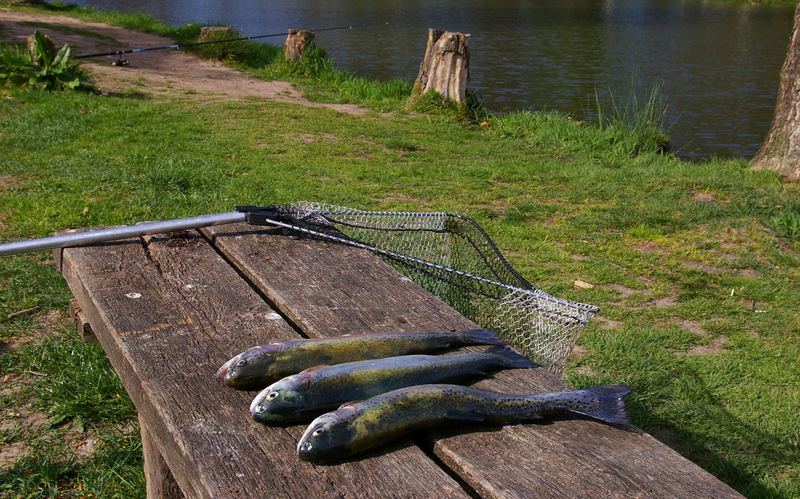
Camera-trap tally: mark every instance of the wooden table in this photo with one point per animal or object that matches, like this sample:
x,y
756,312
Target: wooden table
x,y
169,310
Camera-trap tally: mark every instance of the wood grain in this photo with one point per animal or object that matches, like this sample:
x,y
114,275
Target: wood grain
x,y
160,482
168,313
328,290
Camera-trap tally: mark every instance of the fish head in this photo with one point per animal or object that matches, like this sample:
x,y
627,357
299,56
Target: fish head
x,y
279,403
328,437
250,367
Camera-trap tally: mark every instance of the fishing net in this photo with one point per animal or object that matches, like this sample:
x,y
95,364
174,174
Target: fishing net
x,y
452,257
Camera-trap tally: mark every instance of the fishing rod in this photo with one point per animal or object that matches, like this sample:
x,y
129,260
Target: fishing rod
x,y
178,46
254,215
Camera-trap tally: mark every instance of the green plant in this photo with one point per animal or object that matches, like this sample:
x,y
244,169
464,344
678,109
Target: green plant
x,y
46,71
636,125
787,225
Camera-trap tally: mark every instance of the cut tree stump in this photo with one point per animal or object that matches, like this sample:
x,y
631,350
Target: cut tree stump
x,y
297,41
445,67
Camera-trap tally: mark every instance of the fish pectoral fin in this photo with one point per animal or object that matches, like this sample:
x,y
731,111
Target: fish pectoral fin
x,y
464,416
352,402
313,369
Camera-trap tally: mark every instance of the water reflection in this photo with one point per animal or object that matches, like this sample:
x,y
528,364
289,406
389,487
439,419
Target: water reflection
x,y
719,62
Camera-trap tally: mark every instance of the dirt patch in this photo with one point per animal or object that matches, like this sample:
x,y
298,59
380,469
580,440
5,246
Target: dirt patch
x,y
7,182
83,443
578,352
703,267
716,345
691,326
44,326
10,453
579,258
749,273
623,291
310,138
665,302
650,247
703,197
606,323
406,199
23,419
158,73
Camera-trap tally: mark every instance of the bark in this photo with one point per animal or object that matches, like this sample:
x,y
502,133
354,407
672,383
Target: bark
x,y
445,67
781,149
297,41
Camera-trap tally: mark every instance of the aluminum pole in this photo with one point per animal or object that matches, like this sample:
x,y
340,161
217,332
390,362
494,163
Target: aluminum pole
x,y
115,233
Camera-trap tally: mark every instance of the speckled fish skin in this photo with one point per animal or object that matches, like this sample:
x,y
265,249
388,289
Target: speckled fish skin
x,y
300,397
360,426
264,364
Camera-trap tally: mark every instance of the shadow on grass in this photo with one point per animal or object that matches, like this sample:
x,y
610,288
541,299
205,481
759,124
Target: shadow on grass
x,y
743,439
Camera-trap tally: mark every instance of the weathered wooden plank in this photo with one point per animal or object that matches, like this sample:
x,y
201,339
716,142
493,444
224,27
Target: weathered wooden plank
x,y
168,313
160,482
331,290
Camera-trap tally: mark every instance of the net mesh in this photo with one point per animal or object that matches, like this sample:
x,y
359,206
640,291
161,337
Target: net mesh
x,y
452,257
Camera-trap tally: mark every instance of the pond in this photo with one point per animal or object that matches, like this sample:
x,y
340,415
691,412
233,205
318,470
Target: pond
x,y
719,62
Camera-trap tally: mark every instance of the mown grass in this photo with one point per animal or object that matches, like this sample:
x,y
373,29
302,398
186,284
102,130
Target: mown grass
x,y
695,265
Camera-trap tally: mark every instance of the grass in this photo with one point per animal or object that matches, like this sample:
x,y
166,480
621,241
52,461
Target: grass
x,y
695,266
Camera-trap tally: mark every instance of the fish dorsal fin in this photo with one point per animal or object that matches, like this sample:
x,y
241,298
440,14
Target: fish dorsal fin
x,y
313,369
347,409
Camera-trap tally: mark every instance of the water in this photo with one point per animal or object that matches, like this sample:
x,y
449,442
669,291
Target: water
x,y
719,62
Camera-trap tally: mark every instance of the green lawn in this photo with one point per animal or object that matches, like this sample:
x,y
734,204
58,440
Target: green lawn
x,y
695,266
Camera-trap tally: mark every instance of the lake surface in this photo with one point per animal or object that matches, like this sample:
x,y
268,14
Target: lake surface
x,y
719,62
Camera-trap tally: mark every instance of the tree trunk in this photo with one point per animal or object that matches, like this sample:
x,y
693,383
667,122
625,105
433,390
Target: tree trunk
x,y
445,67
296,43
781,149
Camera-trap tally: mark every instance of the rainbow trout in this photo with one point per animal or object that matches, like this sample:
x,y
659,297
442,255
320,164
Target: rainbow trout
x,y
261,365
301,396
360,426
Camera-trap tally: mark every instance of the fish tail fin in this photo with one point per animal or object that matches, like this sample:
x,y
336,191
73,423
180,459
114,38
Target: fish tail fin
x,y
604,403
511,359
481,337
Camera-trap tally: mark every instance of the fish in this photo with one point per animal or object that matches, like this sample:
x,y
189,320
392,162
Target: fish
x,y
360,426
300,397
264,364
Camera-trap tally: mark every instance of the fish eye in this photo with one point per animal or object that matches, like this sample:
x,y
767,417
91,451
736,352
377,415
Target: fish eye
x,y
318,432
272,395
241,363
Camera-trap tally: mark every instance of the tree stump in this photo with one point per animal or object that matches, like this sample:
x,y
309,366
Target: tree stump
x,y
781,149
47,51
208,33
297,41
445,67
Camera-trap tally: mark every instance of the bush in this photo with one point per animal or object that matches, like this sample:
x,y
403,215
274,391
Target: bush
x,y
58,72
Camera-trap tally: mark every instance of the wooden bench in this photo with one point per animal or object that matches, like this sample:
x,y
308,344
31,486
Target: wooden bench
x,y
169,310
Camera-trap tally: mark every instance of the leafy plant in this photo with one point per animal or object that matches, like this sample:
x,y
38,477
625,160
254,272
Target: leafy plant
x,y
45,71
